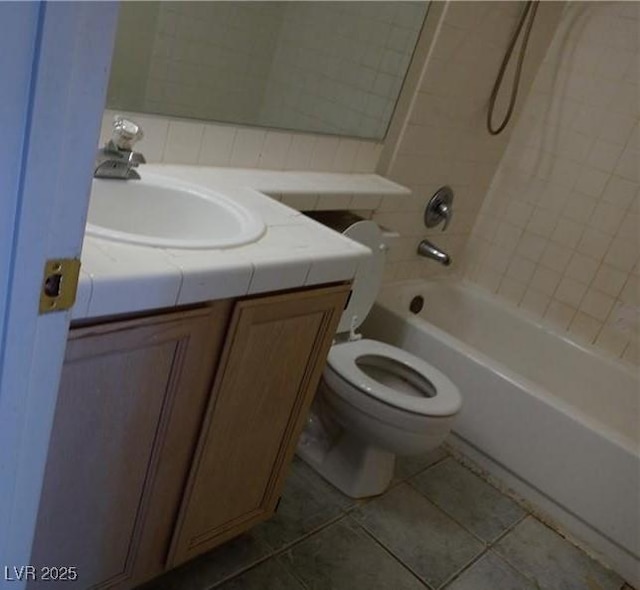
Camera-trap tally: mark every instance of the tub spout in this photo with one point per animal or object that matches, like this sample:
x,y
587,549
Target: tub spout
x,y
429,250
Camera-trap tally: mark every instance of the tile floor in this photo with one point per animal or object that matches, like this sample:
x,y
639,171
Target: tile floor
x,y
439,526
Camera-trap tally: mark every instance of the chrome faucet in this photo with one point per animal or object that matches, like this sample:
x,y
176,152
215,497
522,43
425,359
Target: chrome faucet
x,y
429,250
438,210
117,158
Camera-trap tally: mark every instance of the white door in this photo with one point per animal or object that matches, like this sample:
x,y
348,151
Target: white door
x,y
54,68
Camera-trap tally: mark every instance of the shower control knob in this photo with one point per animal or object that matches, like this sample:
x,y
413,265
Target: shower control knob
x,y
439,208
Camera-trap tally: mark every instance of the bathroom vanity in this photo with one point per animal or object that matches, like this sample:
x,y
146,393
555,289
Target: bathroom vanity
x,y
180,407
174,431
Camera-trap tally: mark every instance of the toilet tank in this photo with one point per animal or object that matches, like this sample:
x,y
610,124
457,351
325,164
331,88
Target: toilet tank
x,y
368,278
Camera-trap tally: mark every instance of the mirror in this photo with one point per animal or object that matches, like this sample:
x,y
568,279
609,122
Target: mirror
x,y
323,67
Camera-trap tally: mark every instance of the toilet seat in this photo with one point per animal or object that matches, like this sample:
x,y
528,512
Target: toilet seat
x,y
343,358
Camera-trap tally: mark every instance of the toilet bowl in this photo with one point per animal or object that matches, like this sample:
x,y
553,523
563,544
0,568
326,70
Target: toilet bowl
x,y
374,401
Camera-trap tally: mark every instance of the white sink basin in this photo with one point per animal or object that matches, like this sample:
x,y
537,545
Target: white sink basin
x,y
167,213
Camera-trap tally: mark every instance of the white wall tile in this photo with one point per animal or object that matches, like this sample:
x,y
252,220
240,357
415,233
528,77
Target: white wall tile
x,y
606,218
324,152
545,280
247,148
570,291
512,290
217,144
611,341
535,302
584,327
345,156
559,314
609,280
275,150
443,140
631,353
574,162
592,181
594,243
556,257
604,156
597,304
183,142
300,151
622,254
582,268
367,156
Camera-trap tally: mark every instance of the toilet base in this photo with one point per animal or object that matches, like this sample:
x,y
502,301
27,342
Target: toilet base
x,y
357,469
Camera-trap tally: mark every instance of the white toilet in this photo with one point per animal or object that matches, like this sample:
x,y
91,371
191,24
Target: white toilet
x,y
375,401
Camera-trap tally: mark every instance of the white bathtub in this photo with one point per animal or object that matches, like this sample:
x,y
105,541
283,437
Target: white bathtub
x,y
557,421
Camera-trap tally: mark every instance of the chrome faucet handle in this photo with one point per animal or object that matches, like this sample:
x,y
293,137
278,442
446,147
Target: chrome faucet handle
x,y
117,158
136,158
446,213
439,208
125,133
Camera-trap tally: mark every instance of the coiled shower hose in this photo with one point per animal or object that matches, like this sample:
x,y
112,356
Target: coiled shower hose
x,y
528,16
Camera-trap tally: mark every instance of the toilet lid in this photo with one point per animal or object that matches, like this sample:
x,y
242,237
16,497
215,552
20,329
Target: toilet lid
x,y
368,277
350,360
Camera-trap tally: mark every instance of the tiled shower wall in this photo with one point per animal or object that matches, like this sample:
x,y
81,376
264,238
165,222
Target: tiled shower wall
x,y
444,140
559,231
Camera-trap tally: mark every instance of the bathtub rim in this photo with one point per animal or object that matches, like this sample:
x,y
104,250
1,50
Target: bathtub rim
x,y
385,301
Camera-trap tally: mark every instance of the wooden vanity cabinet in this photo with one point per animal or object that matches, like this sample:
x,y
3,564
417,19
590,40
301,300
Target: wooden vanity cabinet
x,y
173,433
129,409
274,355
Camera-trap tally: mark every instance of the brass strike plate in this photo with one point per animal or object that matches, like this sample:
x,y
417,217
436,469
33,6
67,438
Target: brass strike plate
x,y
59,284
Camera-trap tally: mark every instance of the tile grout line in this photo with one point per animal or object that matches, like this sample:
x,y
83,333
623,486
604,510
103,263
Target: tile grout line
x,y
407,481
277,552
489,545
494,482
378,542
241,571
347,513
532,509
419,472
449,516
287,546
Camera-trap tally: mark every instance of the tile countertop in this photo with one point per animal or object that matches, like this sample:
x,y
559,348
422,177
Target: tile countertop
x,y
295,251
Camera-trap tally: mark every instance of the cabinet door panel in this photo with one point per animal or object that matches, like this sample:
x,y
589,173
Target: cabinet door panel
x,y
97,496
273,357
119,390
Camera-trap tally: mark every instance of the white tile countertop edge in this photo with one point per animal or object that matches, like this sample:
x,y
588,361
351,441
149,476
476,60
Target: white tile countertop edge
x,y
295,251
